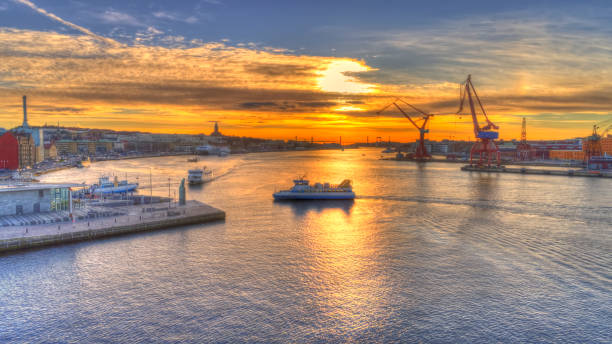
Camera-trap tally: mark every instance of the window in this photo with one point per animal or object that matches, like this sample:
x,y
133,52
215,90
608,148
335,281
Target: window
x,y
19,209
41,193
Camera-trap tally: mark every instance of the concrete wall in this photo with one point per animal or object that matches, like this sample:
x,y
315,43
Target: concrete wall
x,y
62,238
27,199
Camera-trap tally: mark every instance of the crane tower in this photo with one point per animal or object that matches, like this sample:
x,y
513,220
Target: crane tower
x,y
484,148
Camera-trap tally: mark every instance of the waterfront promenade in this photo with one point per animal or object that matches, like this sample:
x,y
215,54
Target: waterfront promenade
x,y
136,218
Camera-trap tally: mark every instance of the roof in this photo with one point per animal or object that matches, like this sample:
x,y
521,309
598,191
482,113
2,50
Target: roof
x,y
16,187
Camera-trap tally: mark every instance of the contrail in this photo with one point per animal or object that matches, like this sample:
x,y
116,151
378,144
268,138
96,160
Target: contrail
x,y
67,23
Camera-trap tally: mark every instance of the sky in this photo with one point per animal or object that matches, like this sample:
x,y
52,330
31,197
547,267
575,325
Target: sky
x,y
311,69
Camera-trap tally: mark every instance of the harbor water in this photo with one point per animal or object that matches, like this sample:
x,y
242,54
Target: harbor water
x,y
425,253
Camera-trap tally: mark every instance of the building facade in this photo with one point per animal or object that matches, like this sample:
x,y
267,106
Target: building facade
x,y
576,155
9,152
27,149
34,198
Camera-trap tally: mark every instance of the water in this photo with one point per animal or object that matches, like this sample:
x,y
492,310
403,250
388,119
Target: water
x,y
426,253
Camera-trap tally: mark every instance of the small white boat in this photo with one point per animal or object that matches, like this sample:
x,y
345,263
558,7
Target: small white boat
x,y
199,176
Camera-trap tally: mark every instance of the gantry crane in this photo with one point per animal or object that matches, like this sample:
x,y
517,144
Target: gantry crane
x,y
593,145
485,146
421,151
523,149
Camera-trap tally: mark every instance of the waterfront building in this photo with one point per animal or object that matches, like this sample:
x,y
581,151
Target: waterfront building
x,y
85,147
50,151
577,155
32,198
606,145
34,151
9,151
66,147
27,149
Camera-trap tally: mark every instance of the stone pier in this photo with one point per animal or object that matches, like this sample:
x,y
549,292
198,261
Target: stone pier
x,y
147,217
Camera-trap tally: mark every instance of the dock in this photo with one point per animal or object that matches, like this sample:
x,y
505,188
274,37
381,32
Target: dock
x,y
148,217
569,173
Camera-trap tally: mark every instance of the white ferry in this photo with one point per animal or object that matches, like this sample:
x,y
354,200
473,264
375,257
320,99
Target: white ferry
x,y
302,190
199,176
105,186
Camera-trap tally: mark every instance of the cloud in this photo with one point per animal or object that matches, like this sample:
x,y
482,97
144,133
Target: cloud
x,y
115,17
523,67
175,17
67,23
158,84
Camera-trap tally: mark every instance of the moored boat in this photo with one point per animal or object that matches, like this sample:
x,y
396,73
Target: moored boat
x,y
105,186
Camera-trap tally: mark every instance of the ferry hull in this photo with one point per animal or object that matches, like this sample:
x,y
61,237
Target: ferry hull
x,y
116,189
313,195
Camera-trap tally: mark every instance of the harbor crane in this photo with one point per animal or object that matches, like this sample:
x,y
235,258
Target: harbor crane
x,y
593,145
485,147
524,151
421,151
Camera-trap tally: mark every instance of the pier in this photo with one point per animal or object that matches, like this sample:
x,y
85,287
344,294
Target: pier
x,y
148,217
570,173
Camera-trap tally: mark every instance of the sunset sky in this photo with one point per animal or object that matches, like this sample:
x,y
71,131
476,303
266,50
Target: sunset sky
x,y
279,69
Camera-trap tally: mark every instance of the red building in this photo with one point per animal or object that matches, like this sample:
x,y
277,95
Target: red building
x,y
9,152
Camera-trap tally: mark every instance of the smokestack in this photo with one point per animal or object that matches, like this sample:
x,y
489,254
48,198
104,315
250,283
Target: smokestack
x,y
25,113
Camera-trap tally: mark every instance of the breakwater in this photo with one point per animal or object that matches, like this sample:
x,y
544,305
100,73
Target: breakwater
x,y
569,173
139,219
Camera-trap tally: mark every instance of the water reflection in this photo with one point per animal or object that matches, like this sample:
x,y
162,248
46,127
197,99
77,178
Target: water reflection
x,y
344,272
301,208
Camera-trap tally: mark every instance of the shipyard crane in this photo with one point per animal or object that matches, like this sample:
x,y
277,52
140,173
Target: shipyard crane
x,y
523,149
593,146
421,151
485,146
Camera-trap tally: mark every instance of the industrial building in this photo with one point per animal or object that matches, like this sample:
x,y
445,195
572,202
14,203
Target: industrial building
x,y
32,198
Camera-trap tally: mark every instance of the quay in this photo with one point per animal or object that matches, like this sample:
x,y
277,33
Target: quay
x,y
147,217
570,173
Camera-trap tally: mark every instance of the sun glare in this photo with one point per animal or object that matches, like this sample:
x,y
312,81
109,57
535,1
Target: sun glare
x,y
348,108
335,78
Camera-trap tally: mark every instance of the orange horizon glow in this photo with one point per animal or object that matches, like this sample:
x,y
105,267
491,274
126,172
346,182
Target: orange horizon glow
x,y
80,81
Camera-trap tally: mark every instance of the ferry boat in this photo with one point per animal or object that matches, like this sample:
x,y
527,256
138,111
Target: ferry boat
x,y
302,190
105,186
199,176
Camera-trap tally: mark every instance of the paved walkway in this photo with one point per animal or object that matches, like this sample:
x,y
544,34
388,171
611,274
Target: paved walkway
x,y
132,215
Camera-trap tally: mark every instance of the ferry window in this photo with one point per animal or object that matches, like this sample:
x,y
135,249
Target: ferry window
x,y
41,193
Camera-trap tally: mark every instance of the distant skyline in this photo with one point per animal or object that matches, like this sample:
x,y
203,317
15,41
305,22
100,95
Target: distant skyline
x,y
279,69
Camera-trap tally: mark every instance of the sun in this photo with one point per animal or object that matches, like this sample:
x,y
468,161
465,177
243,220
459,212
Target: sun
x,y
335,78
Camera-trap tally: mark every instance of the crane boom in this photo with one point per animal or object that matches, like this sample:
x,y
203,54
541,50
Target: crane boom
x,y
406,115
421,150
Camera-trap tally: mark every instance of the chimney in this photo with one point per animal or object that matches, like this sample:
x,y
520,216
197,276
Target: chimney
x,y
25,113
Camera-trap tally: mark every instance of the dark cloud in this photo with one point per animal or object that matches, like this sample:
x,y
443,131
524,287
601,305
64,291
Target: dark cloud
x,y
255,105
317,104
195,93
277,69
